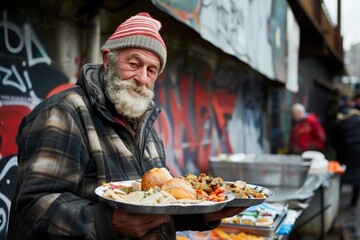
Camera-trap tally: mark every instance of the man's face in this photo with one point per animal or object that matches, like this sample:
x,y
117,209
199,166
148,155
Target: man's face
x,y
129,82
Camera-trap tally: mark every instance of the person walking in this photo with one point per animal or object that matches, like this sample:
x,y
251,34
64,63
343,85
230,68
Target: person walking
x,y
306,131
100,130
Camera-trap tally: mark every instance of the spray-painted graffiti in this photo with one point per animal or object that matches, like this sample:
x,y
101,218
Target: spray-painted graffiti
x,y
10,117
186,10
200,116
8,178
26,77
252,30
25,65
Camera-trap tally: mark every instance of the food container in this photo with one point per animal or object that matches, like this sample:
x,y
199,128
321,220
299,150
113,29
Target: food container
x,y
268,232
273,170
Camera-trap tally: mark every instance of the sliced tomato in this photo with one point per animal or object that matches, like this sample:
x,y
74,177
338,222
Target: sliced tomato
x,y
219,190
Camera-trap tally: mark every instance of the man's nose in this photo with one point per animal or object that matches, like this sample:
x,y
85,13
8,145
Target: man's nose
x,y
141,76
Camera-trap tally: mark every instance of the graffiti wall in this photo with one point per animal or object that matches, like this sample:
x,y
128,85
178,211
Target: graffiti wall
x,y
26,77
253,31
205,110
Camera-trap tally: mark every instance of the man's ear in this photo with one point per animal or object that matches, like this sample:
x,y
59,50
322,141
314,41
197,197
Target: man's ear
x,y
104,57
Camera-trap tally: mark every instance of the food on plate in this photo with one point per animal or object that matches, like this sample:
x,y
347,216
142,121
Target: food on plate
x,y
156,187
179,188
205,188
208,184
119,190
155,177
241,190
154,196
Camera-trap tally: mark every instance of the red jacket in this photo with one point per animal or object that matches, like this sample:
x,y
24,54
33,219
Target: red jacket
x,y
307,134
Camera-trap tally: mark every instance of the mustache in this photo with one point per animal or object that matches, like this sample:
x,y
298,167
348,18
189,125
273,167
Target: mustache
x,y
117,83
131,86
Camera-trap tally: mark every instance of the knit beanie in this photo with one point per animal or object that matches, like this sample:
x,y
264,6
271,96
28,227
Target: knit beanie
x,y
139,31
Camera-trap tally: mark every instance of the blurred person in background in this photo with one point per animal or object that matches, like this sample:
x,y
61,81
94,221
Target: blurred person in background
x,y
306,131
357,101
346,142
346,104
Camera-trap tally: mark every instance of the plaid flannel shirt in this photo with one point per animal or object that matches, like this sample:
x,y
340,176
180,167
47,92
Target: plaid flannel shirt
x,y
68,147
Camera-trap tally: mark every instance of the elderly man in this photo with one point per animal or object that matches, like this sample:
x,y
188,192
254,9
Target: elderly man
x,y
100,130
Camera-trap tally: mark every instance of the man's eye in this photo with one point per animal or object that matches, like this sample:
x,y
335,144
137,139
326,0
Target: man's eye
x,y
152,72
132,65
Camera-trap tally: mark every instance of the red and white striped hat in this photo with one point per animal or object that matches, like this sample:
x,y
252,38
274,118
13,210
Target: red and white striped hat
x,y
140,31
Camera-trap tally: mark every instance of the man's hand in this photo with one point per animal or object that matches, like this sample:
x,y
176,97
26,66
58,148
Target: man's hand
x,y
135,225
223,213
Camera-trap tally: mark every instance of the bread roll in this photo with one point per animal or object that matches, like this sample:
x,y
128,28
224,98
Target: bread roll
x,y
179,188
155,177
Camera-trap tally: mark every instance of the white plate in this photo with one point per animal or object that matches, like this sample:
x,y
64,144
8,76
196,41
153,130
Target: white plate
x,y
173,208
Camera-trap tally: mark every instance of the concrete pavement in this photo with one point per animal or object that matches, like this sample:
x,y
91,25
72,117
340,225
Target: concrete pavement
x,y
346,225
348,219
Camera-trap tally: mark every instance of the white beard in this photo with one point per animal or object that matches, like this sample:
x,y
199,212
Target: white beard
x,y
128,98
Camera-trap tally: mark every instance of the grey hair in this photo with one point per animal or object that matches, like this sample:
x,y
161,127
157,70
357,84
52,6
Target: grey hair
x,y
298,107
113,56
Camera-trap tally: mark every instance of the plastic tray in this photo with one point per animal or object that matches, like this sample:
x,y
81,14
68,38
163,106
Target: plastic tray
x,y
264,231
